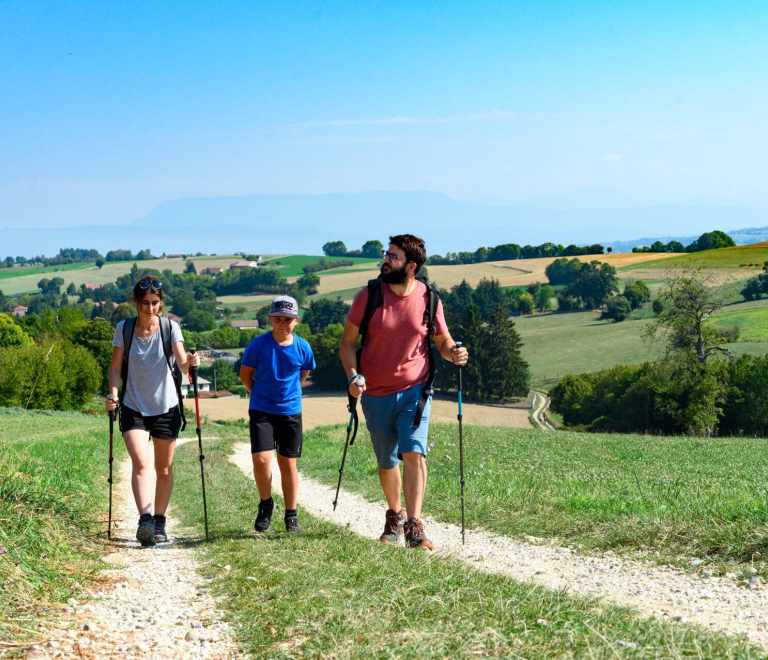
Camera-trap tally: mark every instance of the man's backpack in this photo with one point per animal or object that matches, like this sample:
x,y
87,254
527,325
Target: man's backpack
x,y
376,300
129,327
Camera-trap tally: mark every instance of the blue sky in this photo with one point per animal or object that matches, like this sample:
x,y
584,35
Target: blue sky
x,y
109,108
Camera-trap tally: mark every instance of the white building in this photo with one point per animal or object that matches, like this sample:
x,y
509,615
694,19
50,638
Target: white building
x,y
202,386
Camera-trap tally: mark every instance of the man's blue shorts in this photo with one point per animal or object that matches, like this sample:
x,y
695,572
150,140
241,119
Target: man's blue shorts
x,y
389,419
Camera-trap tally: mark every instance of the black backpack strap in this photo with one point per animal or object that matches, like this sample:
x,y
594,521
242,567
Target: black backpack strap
x,y
433,297
165,334
129,327
375,300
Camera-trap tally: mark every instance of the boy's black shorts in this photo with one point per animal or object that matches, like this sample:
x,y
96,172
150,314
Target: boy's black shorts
x,y
161,427
281,432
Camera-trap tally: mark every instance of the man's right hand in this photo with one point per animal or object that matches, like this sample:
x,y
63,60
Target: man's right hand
x,y
357,387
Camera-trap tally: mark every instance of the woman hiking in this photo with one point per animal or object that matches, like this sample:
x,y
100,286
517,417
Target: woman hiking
x,y
149,357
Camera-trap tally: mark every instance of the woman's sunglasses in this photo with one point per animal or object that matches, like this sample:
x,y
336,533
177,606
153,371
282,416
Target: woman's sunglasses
x,y
156,285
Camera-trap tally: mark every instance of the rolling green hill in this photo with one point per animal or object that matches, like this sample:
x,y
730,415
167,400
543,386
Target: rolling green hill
x,y
291,266
734,257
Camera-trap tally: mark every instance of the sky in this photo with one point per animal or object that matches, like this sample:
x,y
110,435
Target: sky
x,y
110,108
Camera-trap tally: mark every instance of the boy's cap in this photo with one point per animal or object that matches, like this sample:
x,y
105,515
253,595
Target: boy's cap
x,y
284,306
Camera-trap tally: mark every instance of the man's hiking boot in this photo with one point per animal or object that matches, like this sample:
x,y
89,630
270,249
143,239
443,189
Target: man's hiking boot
x,y
160,535
145,534
393,527
415,537
264,517
292,524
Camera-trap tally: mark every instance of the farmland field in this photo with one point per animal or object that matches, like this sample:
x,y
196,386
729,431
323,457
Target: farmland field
x,y
291,266
88,273
48,271
733,257
509,273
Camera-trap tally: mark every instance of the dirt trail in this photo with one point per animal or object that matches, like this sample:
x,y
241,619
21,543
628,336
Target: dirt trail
x,y
720,604
325,409
152,604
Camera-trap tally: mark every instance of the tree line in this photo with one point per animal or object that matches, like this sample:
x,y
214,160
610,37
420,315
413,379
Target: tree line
x,y
711,240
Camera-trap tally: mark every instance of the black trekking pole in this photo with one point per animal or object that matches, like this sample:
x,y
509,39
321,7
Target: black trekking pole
x,y
193,380
461,453
353,422
112,415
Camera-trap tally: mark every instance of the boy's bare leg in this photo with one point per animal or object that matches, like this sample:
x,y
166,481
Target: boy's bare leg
x,y
289,477
262,472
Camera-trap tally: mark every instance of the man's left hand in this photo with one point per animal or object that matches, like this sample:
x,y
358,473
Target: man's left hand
x,y
460,356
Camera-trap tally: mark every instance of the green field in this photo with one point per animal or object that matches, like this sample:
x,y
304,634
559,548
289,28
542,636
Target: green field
x,y
341,596
21,271
671,498
753,323
88,273
733,257
53,497
291,266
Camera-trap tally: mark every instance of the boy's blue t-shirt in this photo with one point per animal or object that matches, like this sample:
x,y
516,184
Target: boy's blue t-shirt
x,y
277,373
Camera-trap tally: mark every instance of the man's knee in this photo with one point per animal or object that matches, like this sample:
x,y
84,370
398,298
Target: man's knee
x,y
262,458
413,458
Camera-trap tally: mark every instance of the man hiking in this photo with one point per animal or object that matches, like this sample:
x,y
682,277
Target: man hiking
x,y
395,368
273,369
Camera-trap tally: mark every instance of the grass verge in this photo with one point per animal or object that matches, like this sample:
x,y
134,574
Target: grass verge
x,y
667,497
329,593
53,505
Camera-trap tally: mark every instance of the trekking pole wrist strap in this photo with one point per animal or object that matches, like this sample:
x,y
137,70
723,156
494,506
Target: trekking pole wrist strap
x,y
354,377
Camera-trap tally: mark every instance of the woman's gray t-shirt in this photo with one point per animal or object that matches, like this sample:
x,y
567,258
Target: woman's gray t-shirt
x,y
150,389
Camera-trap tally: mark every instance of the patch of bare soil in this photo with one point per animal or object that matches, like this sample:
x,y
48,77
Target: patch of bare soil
x,y
320,410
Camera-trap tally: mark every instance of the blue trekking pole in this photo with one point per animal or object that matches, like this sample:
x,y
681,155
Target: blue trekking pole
x,y
461,453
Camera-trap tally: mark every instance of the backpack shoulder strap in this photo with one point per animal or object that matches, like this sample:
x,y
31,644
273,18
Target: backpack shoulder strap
x,y
375,300
165,335
129,327
430,312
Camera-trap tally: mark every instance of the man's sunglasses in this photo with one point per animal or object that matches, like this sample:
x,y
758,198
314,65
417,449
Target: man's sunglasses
x,y
389,256
156,285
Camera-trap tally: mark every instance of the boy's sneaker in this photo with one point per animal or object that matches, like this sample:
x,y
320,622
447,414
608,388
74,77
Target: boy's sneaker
x,y
292,524
415,537
160,535
145,534
393,527
264,517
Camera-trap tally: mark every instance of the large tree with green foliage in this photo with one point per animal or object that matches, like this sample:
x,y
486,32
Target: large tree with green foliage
x,y
324,312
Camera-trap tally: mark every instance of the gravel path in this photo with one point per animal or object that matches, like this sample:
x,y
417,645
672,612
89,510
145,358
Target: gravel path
x,y
717,603
152,604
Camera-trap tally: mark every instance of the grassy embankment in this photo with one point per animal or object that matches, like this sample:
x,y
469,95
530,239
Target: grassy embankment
x,y
53,507
329,593
291,266
668,497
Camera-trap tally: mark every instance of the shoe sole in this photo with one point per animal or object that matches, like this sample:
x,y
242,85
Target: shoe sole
x,y
161,539
261,531
389,541
424,545
145,535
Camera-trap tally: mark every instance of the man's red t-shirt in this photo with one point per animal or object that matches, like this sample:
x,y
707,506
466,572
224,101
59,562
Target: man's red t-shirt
x,y
395,355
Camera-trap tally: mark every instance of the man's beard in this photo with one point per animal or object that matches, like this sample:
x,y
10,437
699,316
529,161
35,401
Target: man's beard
x,y
393,275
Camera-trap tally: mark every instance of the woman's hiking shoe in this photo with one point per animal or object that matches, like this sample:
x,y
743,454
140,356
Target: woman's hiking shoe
x,y
145,534
264,516
393,527
160,535
415,537
292,524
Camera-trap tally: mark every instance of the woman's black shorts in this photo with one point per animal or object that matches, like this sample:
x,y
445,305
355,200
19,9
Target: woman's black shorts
x,y
161,427
281,432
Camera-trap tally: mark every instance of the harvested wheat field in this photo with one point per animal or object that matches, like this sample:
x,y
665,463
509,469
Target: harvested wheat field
x,y
320,410
509,273
713,276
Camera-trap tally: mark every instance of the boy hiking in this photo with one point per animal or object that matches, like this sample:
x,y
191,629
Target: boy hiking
x,y
395,377
273,369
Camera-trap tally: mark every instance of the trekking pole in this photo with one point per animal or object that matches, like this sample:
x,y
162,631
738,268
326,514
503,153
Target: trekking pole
x,y
461,453
353,422
112,415
193,380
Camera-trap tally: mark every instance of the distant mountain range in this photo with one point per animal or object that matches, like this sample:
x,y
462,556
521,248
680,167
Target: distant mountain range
x,y
302,223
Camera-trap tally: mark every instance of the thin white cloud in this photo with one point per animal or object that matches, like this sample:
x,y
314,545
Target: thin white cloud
x,y
404,120
612,158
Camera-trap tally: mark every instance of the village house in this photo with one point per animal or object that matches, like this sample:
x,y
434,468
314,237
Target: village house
x,y
92,287
213,272
174,317
20,310
243,264
203,385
